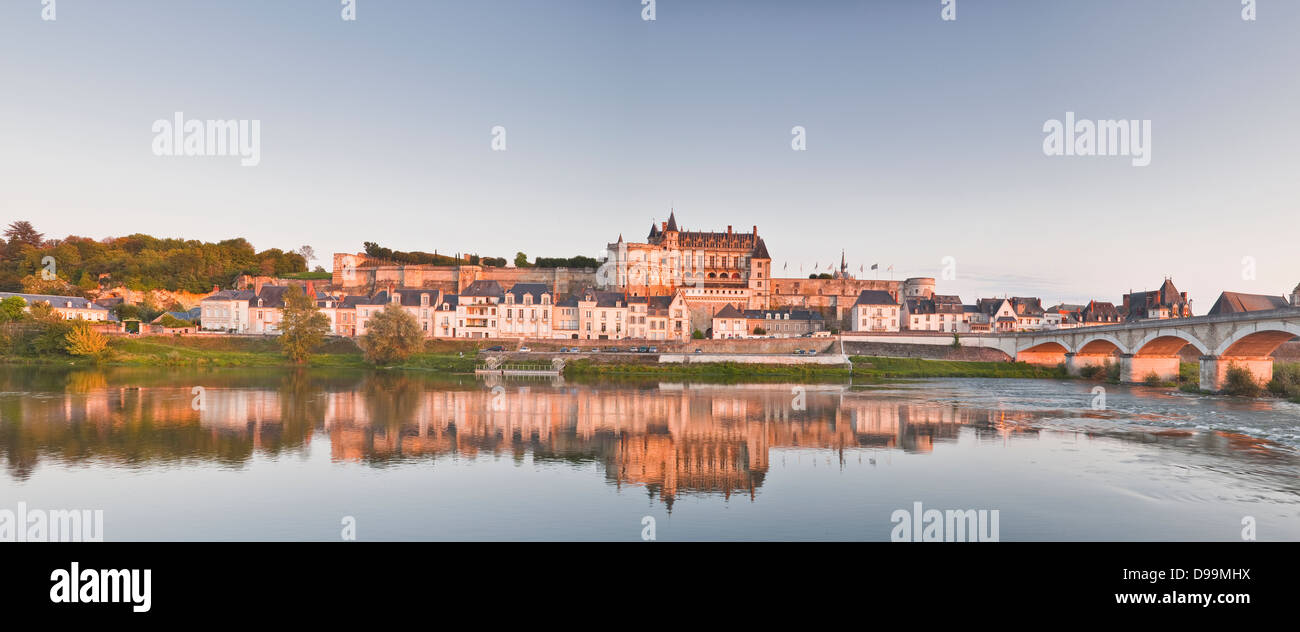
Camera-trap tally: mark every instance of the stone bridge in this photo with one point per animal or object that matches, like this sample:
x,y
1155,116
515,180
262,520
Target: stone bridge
x,y
1146,347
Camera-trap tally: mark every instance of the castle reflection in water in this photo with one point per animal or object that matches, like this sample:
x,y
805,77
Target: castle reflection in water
x,y
671,438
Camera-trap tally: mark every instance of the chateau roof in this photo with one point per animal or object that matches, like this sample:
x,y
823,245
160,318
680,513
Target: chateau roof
x,y
672,221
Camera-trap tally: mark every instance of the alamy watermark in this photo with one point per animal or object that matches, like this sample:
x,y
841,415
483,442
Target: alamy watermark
x,y
952,525
1084,137
193,137
53,525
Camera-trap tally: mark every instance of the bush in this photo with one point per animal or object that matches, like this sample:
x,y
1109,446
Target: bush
x,y
1286,380
697,335
1151,379
1091,371
1240,381
83,340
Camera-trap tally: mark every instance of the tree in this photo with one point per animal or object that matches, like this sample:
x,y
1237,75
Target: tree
x,y
308,253
391,336
83,340
12,308
697,335
521,260
303,327
759,331
24,233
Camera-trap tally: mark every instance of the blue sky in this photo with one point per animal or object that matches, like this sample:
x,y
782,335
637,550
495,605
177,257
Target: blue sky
x,y
924,137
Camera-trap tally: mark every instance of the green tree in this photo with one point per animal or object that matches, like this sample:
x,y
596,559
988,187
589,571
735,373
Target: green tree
x,y
303,327
391,336
12,308
697,335
521,260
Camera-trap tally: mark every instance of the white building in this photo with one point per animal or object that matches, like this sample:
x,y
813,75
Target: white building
x,y
876,310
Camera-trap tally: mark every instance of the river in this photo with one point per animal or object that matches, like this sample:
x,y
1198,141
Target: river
x,y
185,454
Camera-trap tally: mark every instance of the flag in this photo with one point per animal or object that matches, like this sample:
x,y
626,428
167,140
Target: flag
x,y
787,266
875,266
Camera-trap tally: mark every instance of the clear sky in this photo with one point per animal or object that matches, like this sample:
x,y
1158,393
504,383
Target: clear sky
x,y
924,136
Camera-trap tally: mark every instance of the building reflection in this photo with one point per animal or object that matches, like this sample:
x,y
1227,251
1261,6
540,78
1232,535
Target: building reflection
x,y
671,439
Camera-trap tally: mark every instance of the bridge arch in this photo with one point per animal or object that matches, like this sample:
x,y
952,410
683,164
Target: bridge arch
x,y
1047,353
1100,344
1050,346
1168,343
1258,341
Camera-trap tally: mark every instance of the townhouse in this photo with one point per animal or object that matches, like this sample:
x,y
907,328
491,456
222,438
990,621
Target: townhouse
x,y
527,311
226,311
729,323
877,311
940,312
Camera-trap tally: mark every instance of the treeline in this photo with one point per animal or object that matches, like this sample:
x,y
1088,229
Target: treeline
x,y
416,257
74,265
521,260
561,262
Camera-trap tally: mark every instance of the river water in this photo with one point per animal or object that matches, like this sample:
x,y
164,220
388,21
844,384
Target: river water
x,y
182,454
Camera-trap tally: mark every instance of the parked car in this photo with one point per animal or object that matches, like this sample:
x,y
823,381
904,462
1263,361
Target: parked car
x,y
698,350
812,352
799,352
645,349
524,349
654,349
495,348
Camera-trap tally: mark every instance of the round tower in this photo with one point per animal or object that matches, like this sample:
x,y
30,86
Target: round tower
x,y
918,287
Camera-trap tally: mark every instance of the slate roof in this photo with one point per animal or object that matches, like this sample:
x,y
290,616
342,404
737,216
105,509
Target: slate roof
x,y
780,314
1027,306
875,297
484,288
75,302
519,290
1236,303
229,295
728,311
270,296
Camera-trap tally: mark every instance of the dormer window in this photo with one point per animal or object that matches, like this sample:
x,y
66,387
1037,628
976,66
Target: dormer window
x,y
510,299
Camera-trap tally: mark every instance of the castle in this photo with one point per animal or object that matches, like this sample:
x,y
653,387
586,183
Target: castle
x,y
710,270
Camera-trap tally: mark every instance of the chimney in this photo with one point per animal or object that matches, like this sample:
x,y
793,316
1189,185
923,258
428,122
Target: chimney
x,y
755,230
728,229
663,226
257,286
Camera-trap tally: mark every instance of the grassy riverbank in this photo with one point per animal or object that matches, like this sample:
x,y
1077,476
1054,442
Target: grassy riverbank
x,y
880,367
720,371
241,352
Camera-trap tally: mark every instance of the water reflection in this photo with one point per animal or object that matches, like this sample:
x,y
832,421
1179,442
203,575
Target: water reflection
x,y
672,439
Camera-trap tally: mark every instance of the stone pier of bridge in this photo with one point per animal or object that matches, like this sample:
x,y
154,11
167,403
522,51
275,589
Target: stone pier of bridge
x,y
1134,369
1214,370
